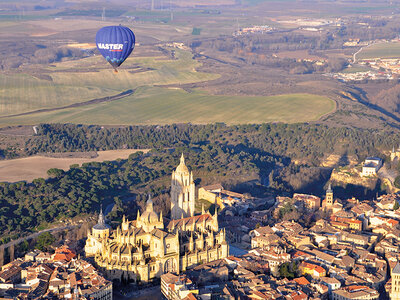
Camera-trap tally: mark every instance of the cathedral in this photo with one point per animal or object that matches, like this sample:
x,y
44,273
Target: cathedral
x,y
150,246
182,192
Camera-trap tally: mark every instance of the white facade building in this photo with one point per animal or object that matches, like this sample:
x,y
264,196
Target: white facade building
x,y
371,166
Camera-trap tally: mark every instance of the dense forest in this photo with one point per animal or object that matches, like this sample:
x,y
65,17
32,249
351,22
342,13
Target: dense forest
x,y
285,157
81,190
306,142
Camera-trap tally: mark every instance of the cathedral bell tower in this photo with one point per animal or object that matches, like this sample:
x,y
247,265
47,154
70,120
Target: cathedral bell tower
x,y
329,197
182,192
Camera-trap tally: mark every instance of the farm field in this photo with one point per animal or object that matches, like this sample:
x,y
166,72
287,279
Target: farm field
x,y
157,105
381,50
29,168
85,79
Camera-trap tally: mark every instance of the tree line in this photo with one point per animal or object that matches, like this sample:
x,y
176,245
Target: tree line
x,y
81,189
307,142
288,155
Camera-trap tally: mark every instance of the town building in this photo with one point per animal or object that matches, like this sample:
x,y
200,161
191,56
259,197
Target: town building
x,y
395,290
62,276
312,269
371,166
175,287
217,194
149,246
310,202
355,292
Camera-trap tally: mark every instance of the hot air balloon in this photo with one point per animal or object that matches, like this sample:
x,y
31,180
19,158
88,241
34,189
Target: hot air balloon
x,y
115,43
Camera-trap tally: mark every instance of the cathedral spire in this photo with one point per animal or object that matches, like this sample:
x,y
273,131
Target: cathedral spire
x,y
149,204
101,220
329,190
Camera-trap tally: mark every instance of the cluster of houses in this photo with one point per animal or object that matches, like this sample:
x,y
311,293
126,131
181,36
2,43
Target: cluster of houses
x,y
350,253
260,29
41,275
361,76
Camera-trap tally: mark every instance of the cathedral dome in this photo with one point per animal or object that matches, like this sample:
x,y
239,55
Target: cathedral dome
x,y
149,215
182,167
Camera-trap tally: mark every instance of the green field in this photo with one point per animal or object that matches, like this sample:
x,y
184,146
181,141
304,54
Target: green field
x,y
156,105
381,50
21,93
153,101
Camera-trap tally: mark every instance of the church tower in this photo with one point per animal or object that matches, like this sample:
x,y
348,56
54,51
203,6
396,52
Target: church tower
x,y
329,197
395,292
182,192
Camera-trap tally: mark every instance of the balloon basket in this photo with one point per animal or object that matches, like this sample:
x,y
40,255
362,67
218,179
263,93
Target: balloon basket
x,y
115,71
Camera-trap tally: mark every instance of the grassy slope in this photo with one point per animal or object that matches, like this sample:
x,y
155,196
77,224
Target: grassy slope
x,y
153,105
381,50
89,78
23,93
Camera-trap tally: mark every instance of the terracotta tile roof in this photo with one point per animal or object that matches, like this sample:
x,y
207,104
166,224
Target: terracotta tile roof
x,y
301,280
258,295
190,297
316,268
64,253
190,220
298,295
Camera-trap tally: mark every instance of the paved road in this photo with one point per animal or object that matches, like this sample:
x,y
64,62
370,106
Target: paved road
x,y
237,251
36,234
359,50
152,293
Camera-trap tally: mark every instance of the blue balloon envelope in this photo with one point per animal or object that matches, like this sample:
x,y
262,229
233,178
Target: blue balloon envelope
x,y
115,43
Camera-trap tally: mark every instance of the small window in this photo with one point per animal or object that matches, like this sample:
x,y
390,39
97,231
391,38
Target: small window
x,y
167,246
